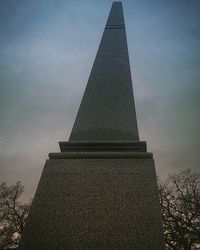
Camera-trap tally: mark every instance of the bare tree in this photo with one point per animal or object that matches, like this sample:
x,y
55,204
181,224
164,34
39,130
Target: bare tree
x,y
180,204
12,215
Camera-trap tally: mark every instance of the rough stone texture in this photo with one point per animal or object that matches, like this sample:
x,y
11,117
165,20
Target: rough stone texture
x,y
107,111
95,204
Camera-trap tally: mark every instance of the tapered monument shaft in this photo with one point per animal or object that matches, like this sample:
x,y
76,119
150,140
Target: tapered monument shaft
x,y
107,111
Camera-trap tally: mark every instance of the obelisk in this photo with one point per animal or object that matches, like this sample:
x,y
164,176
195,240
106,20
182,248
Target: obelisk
x,y
100,191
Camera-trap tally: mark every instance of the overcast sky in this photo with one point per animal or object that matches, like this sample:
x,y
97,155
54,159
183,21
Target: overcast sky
x,y
47,51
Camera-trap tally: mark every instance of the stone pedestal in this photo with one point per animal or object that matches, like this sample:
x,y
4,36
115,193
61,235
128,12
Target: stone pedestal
x,y
96,196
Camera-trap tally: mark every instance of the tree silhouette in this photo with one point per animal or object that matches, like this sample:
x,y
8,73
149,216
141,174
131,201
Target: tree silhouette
x,y
12,215
180,204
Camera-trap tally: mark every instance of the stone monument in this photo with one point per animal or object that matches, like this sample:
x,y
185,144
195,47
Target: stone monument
x,y
100,191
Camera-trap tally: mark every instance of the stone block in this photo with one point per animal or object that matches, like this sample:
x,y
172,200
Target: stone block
x,y
95,204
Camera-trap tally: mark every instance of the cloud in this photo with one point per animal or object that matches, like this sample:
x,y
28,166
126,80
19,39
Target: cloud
x,y
47,53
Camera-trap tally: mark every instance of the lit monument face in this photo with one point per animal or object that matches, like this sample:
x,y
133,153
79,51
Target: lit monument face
x,y
100,191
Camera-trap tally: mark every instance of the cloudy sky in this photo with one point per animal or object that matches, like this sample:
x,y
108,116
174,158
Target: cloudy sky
x,y
47,49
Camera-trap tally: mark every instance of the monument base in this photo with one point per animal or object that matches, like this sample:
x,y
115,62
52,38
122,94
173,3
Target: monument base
x,y
95,203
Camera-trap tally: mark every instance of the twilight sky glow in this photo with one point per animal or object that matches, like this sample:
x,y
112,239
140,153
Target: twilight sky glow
x,y
47,51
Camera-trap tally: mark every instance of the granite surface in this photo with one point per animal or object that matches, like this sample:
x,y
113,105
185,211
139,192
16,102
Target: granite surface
x,y
95,204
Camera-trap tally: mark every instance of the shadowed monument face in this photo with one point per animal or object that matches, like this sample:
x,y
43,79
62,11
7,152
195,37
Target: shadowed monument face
x,y
100,191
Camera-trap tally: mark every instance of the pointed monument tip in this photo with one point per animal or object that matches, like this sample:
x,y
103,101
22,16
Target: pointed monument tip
x,y
116,14
117,3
